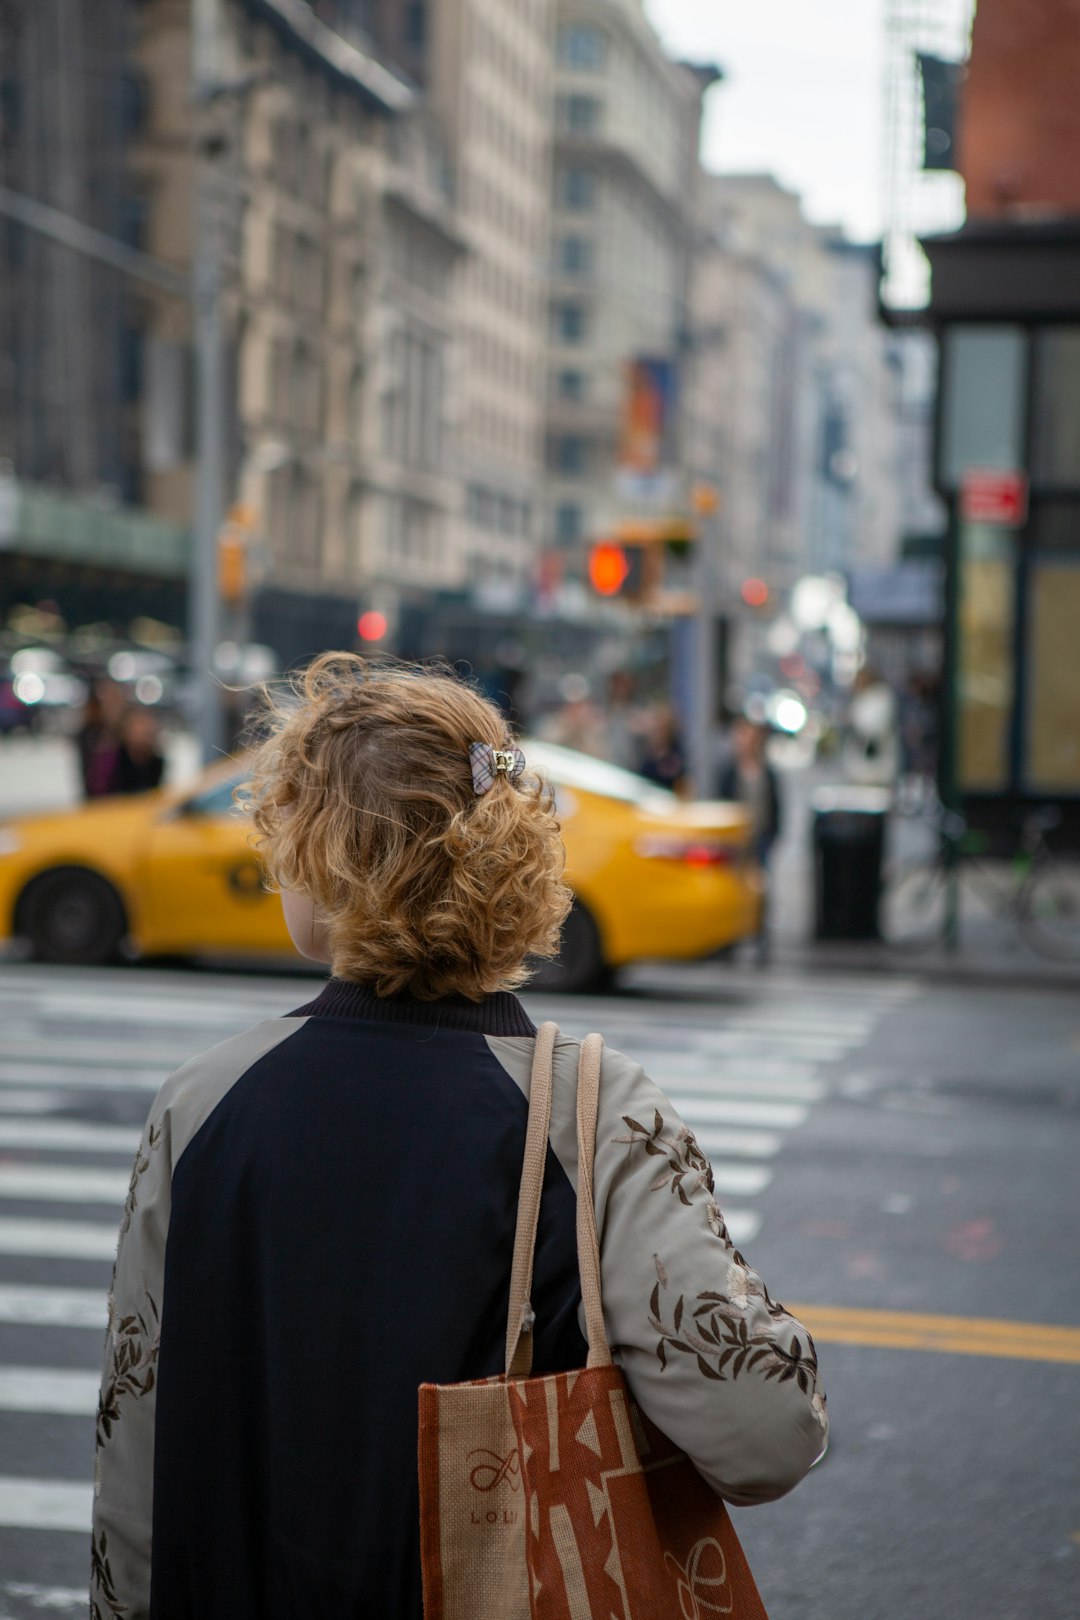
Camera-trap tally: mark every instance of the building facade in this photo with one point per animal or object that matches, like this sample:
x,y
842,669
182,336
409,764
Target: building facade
x,y
797,395
1006,313
627,124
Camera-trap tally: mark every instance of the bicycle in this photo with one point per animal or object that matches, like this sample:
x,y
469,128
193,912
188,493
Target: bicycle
x,y
1038,891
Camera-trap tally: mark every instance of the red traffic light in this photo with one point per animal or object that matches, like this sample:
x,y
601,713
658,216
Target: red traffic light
x,y
755,592
608,568
371,626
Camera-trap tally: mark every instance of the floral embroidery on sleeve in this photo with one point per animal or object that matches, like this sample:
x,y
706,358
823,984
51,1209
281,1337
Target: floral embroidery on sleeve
x,y
138,1170
712,1327
687,1170
135,1343
101,1577
714,1330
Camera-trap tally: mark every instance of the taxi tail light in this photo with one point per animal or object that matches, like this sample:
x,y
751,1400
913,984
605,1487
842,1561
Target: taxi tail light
x,y
699,852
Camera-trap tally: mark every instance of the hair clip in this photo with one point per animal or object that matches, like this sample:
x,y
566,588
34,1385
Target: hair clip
x,y
488,763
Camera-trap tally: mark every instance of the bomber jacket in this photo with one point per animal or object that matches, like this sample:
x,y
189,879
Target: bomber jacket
x,y
320,1219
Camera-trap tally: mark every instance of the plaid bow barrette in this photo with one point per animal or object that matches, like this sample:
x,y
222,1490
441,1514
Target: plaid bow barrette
x,y
488,763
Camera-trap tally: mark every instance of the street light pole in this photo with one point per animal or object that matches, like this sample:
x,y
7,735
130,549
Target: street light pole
x,y
203,605
706,504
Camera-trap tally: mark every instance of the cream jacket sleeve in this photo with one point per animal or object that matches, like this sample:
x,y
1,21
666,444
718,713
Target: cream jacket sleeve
x,y
713,1360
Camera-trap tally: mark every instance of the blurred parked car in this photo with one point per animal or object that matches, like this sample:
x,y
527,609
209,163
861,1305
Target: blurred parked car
x,y
40,690
171,873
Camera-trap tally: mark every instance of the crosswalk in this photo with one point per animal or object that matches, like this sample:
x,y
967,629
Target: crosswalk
x,y
80,1058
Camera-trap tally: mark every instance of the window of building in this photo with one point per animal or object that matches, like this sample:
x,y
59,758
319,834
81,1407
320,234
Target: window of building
x,y
570,384
306,391
509,514
575,255
1056,435
581,46
578,114
983,388
577,187
356,407
282,261
985,686
1053,762
308,266
569,523
569,454
569,322
416,24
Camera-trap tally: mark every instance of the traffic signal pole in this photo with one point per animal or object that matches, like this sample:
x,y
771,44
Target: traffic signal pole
x,y
203,605
706,504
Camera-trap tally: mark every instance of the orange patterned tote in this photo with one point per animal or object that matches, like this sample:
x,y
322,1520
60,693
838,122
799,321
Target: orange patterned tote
x,y
555,1498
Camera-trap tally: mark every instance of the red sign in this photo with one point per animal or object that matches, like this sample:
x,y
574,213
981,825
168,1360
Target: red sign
x,y
988,495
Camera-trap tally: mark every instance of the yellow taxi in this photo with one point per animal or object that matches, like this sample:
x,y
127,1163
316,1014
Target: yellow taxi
x,y
170,873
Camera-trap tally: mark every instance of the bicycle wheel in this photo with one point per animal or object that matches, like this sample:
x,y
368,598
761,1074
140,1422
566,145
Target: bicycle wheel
x,y
914,906
1050,920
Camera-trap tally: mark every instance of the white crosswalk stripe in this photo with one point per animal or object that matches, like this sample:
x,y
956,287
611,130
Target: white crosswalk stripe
x,y
744,1077
48,1389
61,1240
31,1305
45,1504
63,1133
64,1183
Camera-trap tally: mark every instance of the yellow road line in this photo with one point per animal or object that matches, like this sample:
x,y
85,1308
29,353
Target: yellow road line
x,y
953,1335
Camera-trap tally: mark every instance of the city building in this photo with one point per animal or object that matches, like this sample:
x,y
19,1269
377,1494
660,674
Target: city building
x,y
71,532
796,410
1005,309
318,166
627,124
484,67
326,193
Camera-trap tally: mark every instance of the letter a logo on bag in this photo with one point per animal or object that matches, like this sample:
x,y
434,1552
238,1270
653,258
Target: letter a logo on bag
x,y
492,1469
703,1584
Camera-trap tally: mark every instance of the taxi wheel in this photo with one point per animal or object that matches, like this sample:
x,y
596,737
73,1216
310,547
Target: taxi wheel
x,y
580,964
72,916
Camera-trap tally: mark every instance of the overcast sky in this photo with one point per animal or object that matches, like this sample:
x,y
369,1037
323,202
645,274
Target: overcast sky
x,y
802,97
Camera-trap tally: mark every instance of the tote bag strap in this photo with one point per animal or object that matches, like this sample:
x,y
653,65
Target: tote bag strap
x,y
588,1103
519,1321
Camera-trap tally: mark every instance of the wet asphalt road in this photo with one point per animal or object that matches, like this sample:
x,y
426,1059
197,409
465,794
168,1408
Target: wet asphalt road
x,y
882,1144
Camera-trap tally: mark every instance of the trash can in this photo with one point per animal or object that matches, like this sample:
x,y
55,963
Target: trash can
x,y
849,849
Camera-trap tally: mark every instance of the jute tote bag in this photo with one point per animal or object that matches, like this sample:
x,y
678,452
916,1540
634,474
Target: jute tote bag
x,y
555,1498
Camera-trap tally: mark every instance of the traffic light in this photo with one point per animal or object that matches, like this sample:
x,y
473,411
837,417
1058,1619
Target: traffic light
x,y
609,567
234,538
372,625
232,565
755,593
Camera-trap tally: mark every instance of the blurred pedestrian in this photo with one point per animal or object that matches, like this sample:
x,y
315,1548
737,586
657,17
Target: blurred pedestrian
x,y
98,739
624,721
577,723
140,764
750,779
322,1215
664,758
871,751
920,725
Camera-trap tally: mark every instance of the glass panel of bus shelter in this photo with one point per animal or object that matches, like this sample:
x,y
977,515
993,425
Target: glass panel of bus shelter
x,y
1053,719
985,665
983,400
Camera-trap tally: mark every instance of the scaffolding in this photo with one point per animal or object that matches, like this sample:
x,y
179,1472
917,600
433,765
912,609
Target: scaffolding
x,y
917,202
66,323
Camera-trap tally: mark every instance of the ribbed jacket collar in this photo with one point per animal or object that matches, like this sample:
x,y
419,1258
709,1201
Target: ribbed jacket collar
x,y
498,1014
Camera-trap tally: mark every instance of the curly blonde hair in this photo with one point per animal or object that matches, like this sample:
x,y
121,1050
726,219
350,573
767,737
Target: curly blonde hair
x,y
361,797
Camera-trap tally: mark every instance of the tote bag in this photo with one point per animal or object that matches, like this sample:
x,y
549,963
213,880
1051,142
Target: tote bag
x,y
555,1498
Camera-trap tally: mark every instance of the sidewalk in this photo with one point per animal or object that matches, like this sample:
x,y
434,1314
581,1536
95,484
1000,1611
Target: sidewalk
x,y
42,773
990,951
